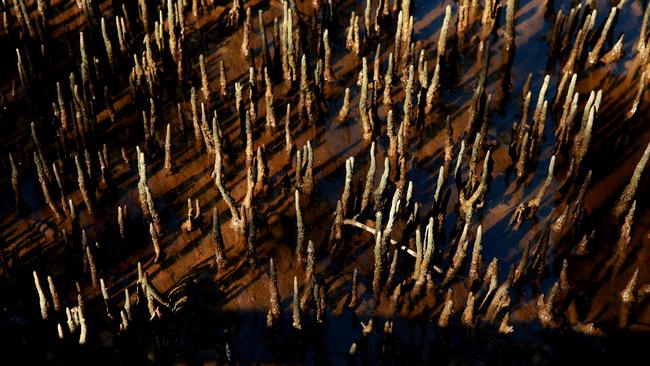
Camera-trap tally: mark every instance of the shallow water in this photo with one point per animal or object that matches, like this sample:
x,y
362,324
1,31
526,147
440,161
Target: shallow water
x,y
225,319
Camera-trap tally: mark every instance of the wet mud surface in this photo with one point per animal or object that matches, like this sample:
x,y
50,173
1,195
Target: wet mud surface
x,y
218,315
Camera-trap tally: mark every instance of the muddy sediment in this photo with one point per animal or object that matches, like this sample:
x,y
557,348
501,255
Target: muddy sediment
x,y
459,181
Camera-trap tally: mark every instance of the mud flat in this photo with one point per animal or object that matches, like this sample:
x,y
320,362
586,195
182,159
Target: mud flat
x,y
214,182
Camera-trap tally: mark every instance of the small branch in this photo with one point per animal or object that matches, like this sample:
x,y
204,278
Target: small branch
x,y
367,228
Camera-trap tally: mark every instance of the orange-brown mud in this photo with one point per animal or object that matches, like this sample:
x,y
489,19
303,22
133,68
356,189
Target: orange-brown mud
x,y
224,319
